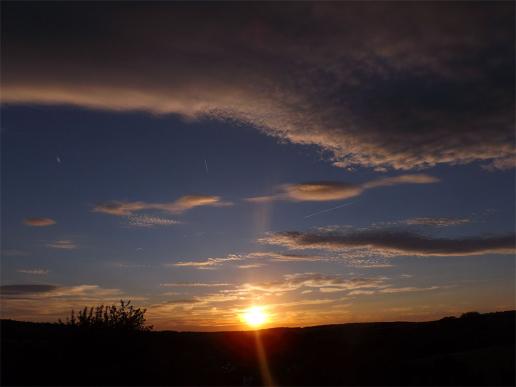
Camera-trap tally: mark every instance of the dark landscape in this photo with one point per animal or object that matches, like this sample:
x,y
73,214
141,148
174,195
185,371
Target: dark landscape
x,y
474,349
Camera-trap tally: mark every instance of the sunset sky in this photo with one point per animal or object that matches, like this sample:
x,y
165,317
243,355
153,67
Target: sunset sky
x,y
327,162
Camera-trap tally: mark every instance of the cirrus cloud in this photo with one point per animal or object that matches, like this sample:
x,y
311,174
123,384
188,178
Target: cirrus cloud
x,y
39,222
184,203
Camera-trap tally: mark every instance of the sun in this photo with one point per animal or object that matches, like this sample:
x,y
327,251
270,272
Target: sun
x,y
254,316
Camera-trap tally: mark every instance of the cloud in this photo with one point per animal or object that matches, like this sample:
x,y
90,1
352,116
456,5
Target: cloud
x,y
208,263
184,203
14,253
150,221
215,263
357,80
402,179
286,256
251,266
290,300
333,190
195,284
296,281
501,164
22,290
408,289
438,222
33,271
39,222
62,244
394,243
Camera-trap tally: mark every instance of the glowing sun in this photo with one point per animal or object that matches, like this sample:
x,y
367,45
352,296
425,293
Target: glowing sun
x,y
254,316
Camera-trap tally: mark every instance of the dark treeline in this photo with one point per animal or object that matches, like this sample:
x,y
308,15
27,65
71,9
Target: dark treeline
x,y
472,350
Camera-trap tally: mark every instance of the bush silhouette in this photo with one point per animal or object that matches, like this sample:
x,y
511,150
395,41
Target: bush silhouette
x,y
470,315
124,318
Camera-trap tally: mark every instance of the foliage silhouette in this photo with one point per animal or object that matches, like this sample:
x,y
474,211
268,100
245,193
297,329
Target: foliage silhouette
x,y
470,315
124,318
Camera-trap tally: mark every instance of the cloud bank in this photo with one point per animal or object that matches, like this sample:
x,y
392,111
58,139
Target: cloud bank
x,y
381,85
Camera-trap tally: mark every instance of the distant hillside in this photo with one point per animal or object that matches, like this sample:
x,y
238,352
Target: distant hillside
x,y
472,350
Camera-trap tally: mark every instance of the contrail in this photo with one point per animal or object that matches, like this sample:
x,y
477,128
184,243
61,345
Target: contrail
x,y
328,209
206,165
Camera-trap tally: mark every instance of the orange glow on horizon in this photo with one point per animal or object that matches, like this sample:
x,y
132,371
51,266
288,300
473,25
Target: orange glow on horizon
x,y
255,316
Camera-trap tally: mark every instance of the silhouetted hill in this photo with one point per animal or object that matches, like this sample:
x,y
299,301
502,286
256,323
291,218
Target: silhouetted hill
x,y
473,350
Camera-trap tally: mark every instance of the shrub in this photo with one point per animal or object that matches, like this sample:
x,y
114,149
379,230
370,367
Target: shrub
x,y
470,315
124,318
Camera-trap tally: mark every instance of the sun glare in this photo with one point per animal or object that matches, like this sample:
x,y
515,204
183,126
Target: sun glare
x,y
255,316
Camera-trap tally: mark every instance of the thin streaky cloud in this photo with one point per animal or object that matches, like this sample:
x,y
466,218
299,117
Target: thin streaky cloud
x,y
63,244
33,271
334,190
194,284
148,221
438,222
39,222
184,203
208,263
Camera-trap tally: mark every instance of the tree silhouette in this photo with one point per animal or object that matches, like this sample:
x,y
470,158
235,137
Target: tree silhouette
x,y
124,318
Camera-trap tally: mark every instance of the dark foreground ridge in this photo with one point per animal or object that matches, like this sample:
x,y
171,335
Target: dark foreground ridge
x,y
471,350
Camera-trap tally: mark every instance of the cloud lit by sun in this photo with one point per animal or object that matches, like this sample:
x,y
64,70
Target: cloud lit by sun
x,y
255,316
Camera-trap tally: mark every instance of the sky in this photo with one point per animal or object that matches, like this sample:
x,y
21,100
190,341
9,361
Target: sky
x,y
326,162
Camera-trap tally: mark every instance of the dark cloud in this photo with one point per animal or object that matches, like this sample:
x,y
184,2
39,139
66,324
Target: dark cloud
x,y
394,243
379,84
14,290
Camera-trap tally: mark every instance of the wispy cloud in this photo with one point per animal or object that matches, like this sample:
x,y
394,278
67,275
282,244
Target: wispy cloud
x,y
253,260
297,281
438,222
333,190
39,222
62,244
251,266
210,262
394,243
150,221
184,203
194,284
33,271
